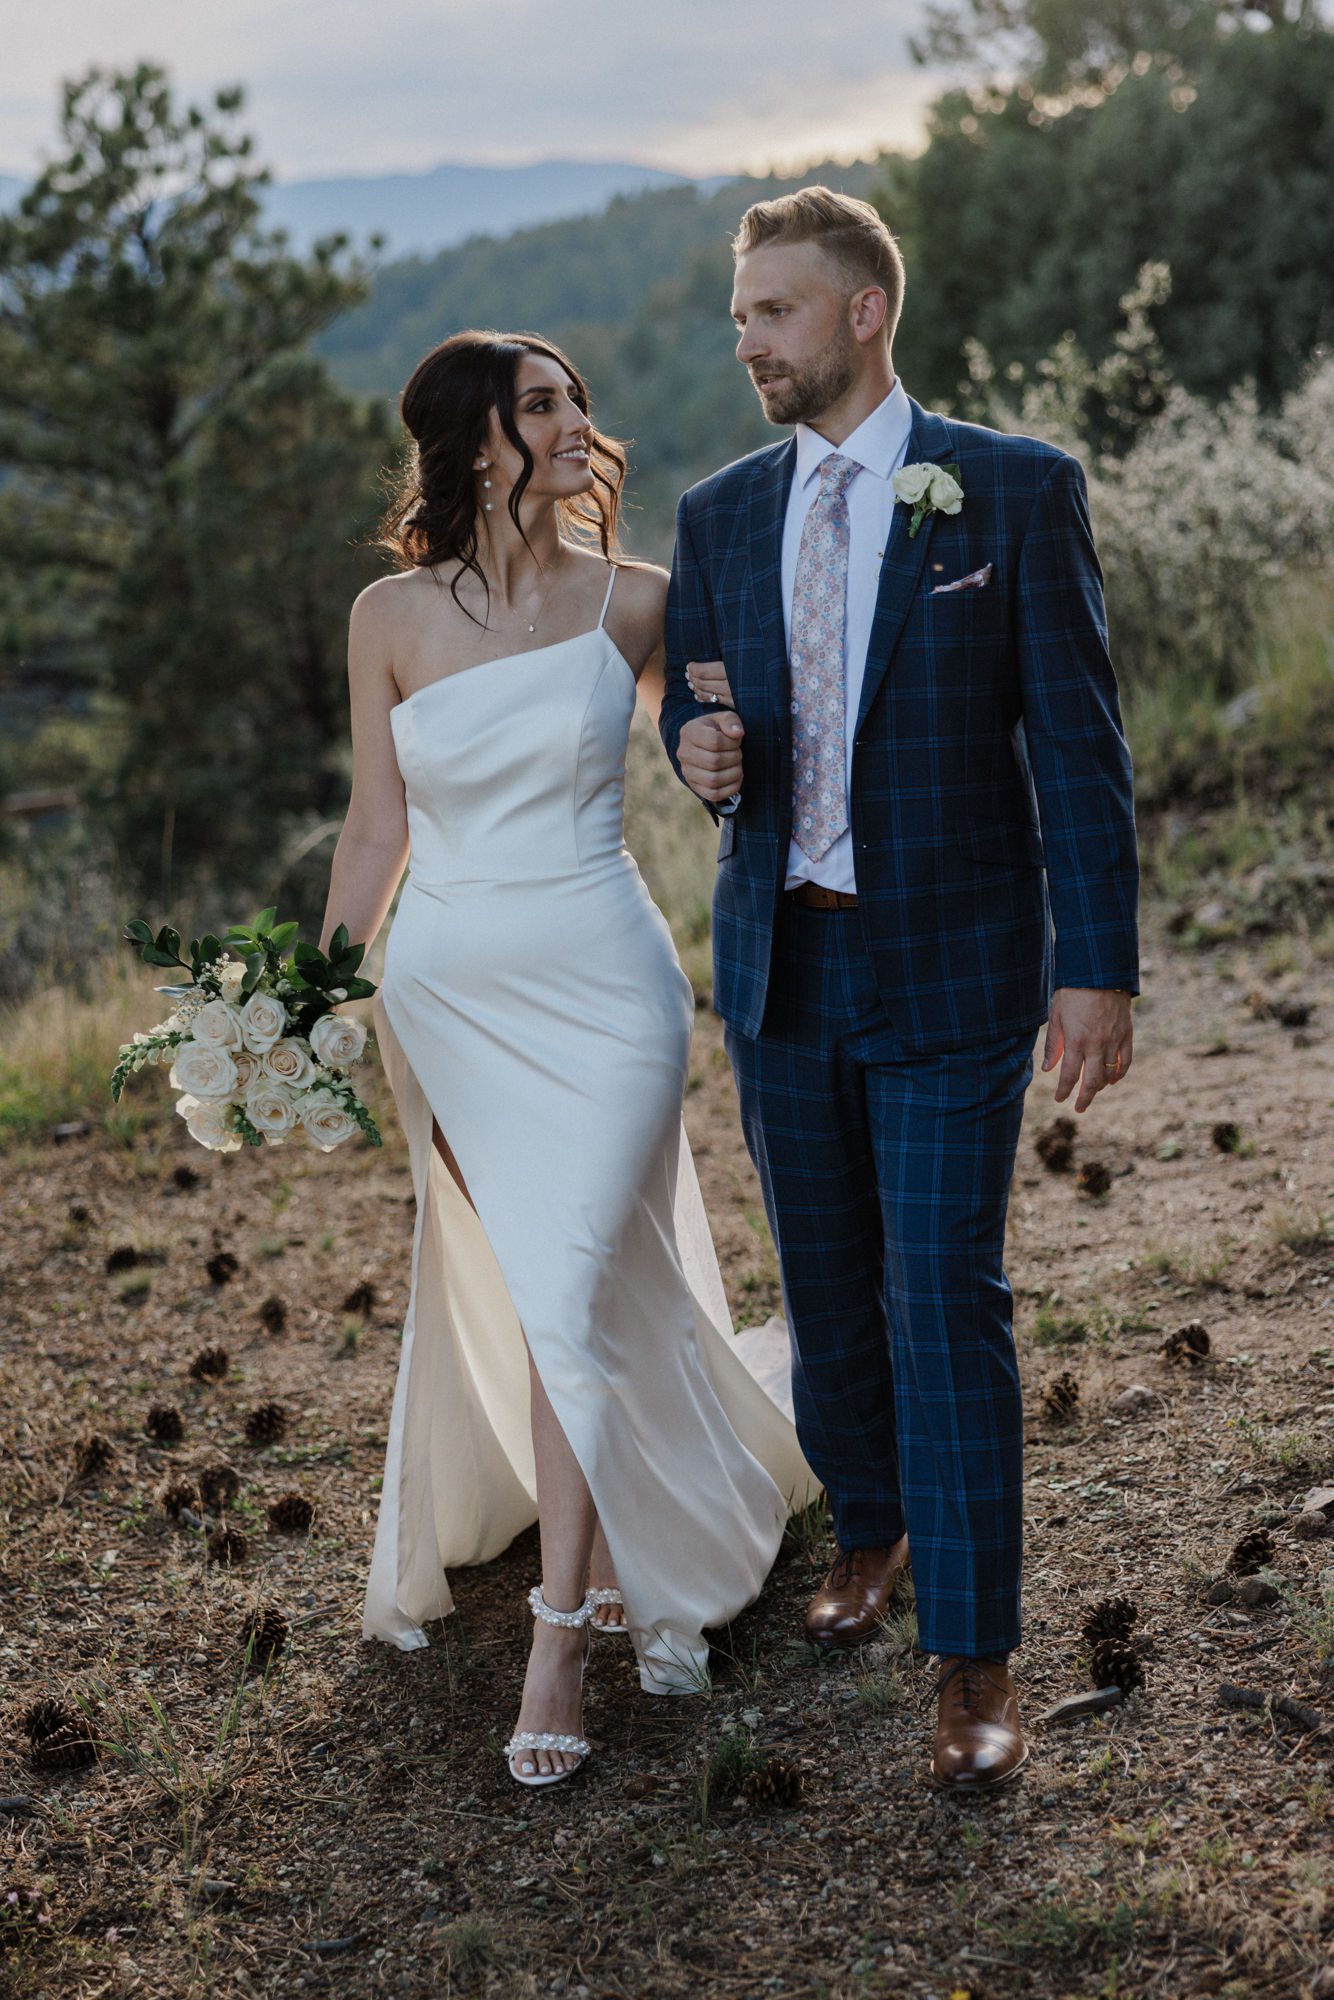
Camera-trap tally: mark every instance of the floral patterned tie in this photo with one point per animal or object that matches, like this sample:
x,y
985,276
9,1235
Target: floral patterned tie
x,y
816,652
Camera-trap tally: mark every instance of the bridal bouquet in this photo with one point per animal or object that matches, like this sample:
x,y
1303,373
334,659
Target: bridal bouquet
x,y
254,1044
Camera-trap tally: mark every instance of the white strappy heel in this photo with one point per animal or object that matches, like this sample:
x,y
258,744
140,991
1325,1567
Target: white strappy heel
x,y
545,1739
606,1596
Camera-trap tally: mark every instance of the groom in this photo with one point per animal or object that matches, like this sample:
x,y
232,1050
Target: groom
x,y
903,715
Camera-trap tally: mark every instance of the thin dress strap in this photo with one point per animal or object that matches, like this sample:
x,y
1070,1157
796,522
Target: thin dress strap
x,y
611,585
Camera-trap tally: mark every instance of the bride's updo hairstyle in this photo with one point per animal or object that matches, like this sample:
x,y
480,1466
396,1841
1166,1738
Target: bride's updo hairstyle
x,y
447,407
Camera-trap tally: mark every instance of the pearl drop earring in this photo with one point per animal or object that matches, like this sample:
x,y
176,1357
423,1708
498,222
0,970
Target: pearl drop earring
x,y
486,464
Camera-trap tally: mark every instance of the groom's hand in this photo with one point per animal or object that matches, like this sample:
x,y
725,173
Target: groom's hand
x,y
709,753
1090,1032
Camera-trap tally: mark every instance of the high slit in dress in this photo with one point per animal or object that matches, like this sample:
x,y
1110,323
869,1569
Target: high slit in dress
x,y
532,1000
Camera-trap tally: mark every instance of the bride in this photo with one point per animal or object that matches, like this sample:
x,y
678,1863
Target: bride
x,y
566,1350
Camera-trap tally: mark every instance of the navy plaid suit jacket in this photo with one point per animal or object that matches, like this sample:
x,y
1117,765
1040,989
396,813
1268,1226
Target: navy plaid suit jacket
x,y
991,784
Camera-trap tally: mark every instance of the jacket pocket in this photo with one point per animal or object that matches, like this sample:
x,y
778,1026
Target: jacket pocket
x,y
1007,844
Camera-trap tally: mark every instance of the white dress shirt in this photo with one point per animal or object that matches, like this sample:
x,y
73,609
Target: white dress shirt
x,y
879,445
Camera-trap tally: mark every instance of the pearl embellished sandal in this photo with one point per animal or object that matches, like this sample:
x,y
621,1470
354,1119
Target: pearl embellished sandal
x,y
598,1597
545,1739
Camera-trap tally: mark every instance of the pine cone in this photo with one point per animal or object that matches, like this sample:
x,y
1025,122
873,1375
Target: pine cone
x,y
59,1736
185,1177
776,1785
1115,1663
1226,1136
1189,1343
1055,1146
1109,1618
177,1493
223,1266
291,1513
228,1545
265,1632
210,1364
219,1484
266,1424
273,1314
1252,1553
1093,1179
165,1423
93,1453
361,1299
1061,1396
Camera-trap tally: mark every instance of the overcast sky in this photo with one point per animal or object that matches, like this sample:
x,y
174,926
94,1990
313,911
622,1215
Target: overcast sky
x,y
369,86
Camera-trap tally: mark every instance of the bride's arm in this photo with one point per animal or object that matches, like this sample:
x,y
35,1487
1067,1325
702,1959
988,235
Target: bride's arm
x,y
372,848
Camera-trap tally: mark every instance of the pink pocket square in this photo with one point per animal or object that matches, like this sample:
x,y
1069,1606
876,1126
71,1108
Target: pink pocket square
x,y
976,580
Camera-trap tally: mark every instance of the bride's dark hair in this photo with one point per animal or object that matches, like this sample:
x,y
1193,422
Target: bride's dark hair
x,y
447,407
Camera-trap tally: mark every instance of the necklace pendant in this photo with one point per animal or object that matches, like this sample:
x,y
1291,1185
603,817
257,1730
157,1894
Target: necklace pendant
x,y
532,628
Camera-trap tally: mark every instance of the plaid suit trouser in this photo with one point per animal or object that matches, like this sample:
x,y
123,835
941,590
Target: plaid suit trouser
x,y
886,1177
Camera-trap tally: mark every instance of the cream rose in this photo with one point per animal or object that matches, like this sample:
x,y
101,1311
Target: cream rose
x,y
206,1122
203,1071
327,1121
337,1040
943,491
911,482
263,1020
247,1068
271,1108
231,974
288,1062
218,1026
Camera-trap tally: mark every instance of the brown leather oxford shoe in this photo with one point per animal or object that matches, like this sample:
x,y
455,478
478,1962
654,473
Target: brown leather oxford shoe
x,y
853,1600
979,1743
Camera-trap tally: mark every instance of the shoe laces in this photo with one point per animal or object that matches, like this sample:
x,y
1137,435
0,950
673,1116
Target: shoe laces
x,y
845,1568
971,1676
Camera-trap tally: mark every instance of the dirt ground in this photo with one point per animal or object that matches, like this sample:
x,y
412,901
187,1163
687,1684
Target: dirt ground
x,y
345,1824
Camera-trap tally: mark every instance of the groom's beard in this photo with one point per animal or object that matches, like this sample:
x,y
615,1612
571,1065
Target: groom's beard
x,y
810,391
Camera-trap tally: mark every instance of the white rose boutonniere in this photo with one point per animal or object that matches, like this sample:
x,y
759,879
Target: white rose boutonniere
x,y
928,489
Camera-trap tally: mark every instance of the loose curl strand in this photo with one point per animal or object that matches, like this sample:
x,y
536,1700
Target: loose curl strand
x,y
446,406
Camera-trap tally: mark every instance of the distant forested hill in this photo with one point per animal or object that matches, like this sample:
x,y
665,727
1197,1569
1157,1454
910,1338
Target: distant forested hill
x,y
638,295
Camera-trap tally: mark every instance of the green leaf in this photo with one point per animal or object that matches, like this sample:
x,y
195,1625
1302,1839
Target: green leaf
x,y
176,992
282,937
138,932
360,989
210,946
338,943
240,931
152,956
353,956
264,921
169,940
308,954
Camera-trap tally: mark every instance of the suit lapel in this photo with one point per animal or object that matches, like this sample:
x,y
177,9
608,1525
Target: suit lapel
x,y
768,511
901,570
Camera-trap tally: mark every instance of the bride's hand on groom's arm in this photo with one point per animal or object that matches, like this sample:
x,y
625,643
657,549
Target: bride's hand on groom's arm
x,y
709,751
1091,1036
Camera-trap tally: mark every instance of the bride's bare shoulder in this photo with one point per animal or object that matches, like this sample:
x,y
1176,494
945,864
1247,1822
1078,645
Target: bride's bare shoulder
x,y
642,585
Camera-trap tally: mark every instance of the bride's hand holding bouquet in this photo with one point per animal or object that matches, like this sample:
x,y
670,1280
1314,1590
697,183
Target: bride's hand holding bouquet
x,y
255,1045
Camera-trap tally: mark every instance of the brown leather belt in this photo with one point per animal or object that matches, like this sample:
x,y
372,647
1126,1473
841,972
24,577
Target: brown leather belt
x,y
812,896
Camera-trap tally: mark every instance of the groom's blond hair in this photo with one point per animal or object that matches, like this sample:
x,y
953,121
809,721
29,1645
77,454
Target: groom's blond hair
x,y
848,230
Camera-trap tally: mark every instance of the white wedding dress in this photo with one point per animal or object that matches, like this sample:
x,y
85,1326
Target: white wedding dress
x,y
533,1001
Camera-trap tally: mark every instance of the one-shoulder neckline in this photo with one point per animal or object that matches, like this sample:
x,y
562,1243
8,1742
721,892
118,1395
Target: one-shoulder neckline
x,y
508,659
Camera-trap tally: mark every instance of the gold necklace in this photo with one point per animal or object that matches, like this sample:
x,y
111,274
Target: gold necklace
x,y
554,566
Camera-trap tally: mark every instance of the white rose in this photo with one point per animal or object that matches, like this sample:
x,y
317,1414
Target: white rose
x,y
270,1107
943,491
206,1122
288,1062
204,1072
911,482
337,1040
231,973
218,1026
247,1069
263,1020
326,1119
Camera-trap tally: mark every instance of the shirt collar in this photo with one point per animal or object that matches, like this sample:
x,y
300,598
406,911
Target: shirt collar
x,y
878,443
